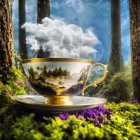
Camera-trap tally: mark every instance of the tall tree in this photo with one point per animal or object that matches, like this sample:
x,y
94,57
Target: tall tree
x,y
134,8
43,10
115,61
6,38
22,32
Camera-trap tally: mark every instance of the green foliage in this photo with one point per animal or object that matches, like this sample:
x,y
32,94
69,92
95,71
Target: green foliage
x,y
118,128
119,87
115,88
15,84
127,111
23,128
16,124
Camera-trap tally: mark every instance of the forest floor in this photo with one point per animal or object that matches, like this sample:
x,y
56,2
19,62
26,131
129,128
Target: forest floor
x,y
118,121
111,121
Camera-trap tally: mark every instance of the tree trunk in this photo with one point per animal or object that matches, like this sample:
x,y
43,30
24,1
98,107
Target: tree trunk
x,y
6,38
43,10
22,32
116,61
134,8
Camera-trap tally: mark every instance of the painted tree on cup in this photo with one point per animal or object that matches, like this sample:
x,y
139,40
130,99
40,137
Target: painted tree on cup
x,y
134,7
6,38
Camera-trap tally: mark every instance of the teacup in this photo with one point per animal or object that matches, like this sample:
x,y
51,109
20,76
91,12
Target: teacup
x,y
59,79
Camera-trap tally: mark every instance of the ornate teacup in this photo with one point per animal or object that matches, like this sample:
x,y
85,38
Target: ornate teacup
x,y
59,79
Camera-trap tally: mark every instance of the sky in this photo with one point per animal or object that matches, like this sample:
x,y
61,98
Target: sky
x,y
94,14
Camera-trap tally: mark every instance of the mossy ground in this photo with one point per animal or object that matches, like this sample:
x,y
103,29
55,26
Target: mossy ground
x,y
17,123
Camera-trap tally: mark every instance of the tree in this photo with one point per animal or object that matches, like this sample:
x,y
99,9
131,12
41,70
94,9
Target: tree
x,y
134,8
22,32
31,74
44,71
43,10
6,38
116,61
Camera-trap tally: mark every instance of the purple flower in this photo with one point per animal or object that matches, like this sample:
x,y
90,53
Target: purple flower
x,y
18,83
64,116
10,92
98,115
103,122
133,101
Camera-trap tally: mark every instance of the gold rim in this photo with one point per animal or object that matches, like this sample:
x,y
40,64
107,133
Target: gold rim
x,y
57,60
54,105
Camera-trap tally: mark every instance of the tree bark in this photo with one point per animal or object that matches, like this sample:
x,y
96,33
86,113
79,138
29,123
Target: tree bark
x,y
6,38
22,32
134,8
115,61
43,10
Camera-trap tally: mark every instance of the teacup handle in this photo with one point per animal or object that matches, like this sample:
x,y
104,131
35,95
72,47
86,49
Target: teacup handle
x,y
98,81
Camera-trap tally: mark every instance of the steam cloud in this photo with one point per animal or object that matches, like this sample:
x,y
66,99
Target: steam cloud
x,y
61,39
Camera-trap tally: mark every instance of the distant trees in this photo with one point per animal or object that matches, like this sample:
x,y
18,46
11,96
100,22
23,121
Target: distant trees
x,y
115,61
43,10
22,32
6,38
134,8
57,72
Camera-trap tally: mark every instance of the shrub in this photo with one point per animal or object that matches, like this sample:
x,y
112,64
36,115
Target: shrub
x,y
16,83
116,88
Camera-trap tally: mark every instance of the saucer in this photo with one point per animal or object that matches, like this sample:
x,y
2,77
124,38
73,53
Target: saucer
x,y
38,102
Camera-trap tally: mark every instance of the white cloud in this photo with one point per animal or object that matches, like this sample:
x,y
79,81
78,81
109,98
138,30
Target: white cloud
x,y
61,39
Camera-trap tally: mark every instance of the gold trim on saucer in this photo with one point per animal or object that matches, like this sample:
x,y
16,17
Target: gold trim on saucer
x,y
61,105
57,60
45,104
58,100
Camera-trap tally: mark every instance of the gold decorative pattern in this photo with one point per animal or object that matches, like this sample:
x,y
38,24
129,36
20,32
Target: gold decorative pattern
x,y
57,60
98,81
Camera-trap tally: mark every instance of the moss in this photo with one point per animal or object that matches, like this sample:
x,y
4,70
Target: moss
x,y
16,123
16,83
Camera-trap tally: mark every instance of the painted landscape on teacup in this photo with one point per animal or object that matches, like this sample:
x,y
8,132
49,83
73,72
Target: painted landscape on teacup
x,y
57,78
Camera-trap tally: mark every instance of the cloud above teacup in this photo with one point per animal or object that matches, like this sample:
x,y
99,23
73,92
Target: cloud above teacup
x,y
61,39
